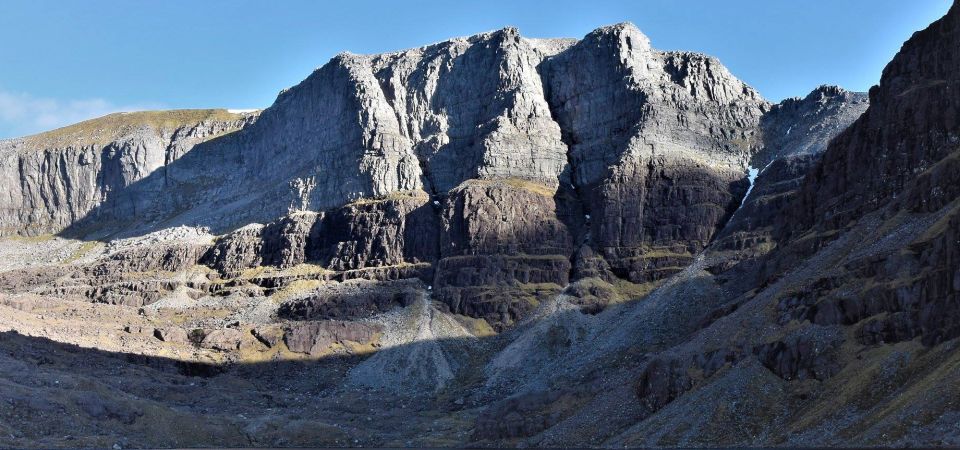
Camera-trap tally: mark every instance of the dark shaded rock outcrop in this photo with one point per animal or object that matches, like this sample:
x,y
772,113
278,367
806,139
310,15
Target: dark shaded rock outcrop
x,y
346,301
661,381
317,338
658,146
505,245
897,164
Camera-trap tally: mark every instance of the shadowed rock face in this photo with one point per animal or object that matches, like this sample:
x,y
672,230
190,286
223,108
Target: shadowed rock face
x,y
52,180
897,163
658,142
796,132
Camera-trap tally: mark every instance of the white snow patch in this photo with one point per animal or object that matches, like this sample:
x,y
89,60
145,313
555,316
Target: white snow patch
x,y
752,174
241,111
752,178
789,130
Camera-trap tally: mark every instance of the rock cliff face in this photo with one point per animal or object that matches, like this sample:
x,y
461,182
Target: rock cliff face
x,y
646,151
805,126
493,158
796,132
502,167
364,127
896,164
52,180
659,143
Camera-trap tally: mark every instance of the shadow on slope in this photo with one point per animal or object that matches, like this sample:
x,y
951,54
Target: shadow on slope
x,y
61,395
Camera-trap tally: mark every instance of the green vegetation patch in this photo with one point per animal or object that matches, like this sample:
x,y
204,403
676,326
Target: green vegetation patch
x,y
393,196
81,251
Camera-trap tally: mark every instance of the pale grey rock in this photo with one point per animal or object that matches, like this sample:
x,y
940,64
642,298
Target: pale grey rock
x,y
494,105
804,126
659,144
424,119
623,103
51,180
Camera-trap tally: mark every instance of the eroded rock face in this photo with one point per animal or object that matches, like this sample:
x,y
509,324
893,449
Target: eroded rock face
x,y
494,158
661,381
398,231
54,179
505,246
170,257
797,358
751,230
234,252
365,127
658,146
796,132
655,142
349,301
495,168
896,164
385,232
805,126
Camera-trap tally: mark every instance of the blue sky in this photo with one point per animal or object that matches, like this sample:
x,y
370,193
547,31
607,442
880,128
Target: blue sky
x,y
65,61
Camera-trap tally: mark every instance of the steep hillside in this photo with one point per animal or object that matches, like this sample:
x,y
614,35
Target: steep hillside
x,y
838,329
503,241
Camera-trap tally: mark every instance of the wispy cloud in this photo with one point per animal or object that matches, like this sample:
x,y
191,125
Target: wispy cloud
x,y
22,114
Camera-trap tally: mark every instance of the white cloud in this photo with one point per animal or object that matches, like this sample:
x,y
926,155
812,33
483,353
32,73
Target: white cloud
x,y
23,114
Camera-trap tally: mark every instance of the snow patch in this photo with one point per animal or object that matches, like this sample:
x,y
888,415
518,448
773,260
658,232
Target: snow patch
x,y
241,111
752,178
752,174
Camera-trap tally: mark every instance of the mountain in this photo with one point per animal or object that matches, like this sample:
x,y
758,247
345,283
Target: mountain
x,y
627,161
494,241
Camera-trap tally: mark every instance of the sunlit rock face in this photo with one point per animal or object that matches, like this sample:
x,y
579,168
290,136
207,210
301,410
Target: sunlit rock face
x,y
494,158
